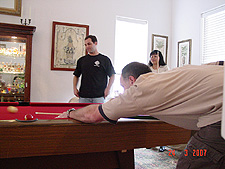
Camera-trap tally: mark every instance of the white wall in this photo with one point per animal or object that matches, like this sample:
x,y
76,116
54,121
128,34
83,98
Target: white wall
x,y
178,19
56,86
186,24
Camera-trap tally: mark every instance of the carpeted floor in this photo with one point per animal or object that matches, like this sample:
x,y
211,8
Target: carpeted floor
x,y
153,159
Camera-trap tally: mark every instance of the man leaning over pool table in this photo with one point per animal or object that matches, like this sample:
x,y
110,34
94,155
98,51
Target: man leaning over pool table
x,y
189,97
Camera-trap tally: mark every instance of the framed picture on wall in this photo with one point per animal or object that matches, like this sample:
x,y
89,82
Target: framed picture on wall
x,y
67,45
10,7
184,52
160,42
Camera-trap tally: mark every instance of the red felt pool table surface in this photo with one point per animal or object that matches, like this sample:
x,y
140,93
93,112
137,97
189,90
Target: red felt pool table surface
x,y
67,143
33,107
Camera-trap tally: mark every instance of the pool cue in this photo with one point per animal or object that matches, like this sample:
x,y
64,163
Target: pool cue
x,y
48,113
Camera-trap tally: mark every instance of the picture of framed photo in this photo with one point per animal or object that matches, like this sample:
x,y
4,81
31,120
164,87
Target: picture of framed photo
x,y
184,52
160,42
67,45
10,7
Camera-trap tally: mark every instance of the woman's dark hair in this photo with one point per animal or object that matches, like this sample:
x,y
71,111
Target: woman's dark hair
x,y
135,69
161,61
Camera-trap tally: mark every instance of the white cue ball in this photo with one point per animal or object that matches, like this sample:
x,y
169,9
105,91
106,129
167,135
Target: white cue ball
x,y
12,109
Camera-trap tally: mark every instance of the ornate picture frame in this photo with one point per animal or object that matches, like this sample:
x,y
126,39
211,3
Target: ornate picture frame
x,y
184,52
67,45
160,42
11,7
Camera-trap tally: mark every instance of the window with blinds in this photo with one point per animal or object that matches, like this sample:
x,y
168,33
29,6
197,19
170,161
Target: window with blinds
x,y
131,44
213,35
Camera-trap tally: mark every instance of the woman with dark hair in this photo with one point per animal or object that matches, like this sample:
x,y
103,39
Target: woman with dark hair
x,y
157,63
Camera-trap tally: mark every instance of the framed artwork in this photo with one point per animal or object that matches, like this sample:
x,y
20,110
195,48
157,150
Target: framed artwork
x,y
160,42
184,52
10,7
67,45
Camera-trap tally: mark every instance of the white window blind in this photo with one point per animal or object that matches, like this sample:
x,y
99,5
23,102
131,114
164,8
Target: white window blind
x,y
213,35
131,41
131,44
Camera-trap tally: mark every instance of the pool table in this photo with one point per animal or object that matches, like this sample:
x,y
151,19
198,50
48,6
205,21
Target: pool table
x,y
67,143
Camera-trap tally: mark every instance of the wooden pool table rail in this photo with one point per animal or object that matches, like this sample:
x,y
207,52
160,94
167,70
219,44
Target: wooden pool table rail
x,y
67,136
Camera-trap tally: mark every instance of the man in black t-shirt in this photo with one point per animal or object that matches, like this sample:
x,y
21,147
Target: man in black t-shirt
x,y
95,69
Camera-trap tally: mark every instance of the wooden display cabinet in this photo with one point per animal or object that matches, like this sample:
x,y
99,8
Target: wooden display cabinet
x,y
15,62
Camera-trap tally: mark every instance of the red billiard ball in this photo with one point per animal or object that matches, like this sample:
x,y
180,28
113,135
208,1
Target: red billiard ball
x,y
28,117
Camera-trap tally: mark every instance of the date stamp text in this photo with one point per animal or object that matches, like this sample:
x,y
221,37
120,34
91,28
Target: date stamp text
x,y
195,153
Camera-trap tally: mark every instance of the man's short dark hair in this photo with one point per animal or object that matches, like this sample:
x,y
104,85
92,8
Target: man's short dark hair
x,y
135,69
92,37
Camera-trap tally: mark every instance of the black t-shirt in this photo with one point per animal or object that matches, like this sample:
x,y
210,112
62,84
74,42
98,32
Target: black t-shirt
x,y
95,71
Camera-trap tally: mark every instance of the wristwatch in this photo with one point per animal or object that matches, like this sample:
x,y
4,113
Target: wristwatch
x,y
221,62
68,112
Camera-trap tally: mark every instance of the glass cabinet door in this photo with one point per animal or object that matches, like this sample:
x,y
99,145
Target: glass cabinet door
x,y
12,68
15,62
